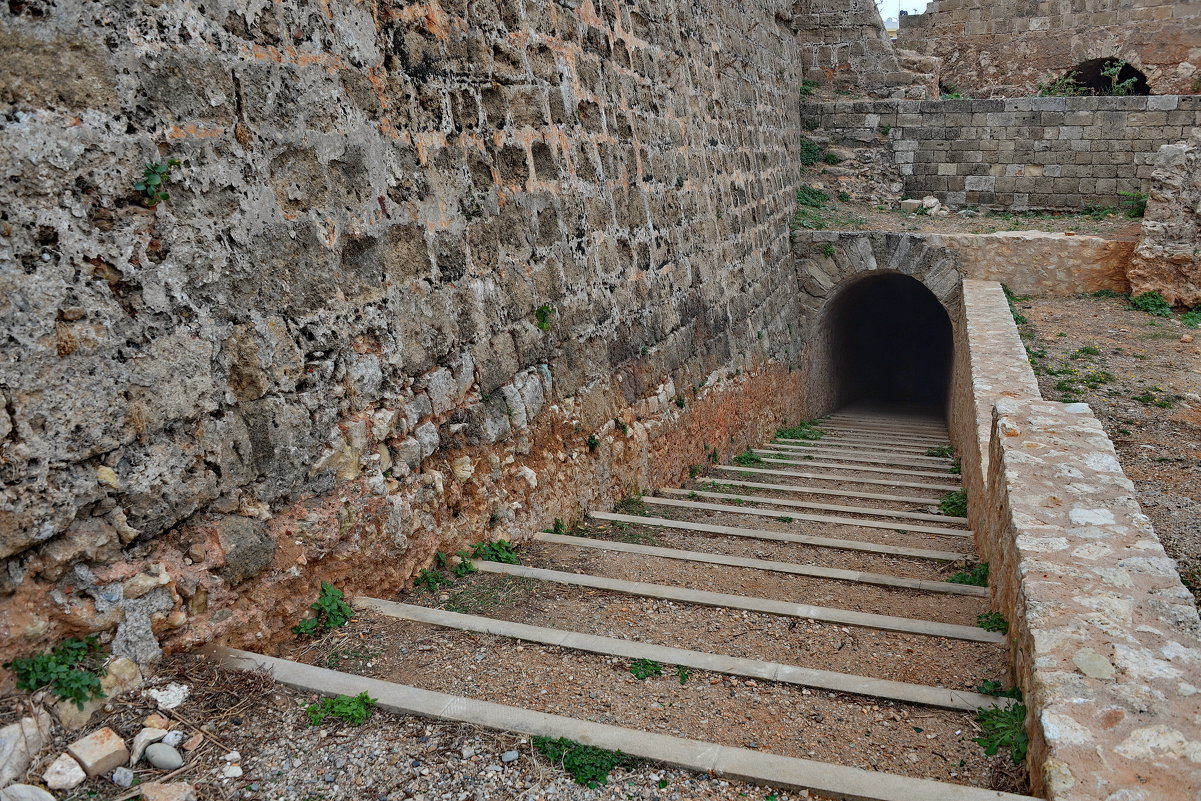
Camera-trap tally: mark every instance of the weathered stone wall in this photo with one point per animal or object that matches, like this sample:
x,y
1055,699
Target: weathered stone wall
x,y
1007,48
1029,153
1104,636
323,355
1025,153
1168,257
844,43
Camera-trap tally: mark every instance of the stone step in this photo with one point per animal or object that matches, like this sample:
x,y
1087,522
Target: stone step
x,y
752,765
836,442
893,423
868,457
748,603
835,477
775,513
769,457
929,440
815,571
698,660
803,445
800,539
861,510
833,492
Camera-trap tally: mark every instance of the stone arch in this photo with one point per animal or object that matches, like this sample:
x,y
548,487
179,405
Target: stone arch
x,y
1090,77
882,311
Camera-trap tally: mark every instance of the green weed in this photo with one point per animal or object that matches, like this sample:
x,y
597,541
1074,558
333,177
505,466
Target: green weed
x,y
747,458
643,669
332,612
976,576
499,551
587,764
993,621
945,451
828,250
811,152
956,467
1153,397
633,505
802,430
1004,728
154,181
72,671
1151,303
593,443
683,674
430,580
354,710
542,316
1192,318
954,504
1085,352
992,687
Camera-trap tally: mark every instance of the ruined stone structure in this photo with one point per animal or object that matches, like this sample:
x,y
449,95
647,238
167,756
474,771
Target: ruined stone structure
x,y
1025,153
1168,257
1007,49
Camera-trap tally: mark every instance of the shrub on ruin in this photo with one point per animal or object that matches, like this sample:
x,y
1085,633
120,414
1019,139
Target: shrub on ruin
x,y
72,671
332,612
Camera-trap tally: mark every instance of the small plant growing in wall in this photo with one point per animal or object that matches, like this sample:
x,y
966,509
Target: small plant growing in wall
x,y
1113,71
72,671
542,316
332,612
828,250
154,181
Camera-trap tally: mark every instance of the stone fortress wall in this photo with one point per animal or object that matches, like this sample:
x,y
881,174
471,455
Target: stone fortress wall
x,y
426,271
1019,153
1007,48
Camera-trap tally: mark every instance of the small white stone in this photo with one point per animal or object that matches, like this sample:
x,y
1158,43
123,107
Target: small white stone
x,y
64,773
231,771
233,756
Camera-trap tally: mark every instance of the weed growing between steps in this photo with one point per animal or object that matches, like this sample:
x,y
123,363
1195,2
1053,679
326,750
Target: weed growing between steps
x,y
748,458
499,551
806,429
976,576
643,669
954,504
993,621
956,467
587,764
354,710
632,505
995,688
1004,728
332,612
72,671
945,451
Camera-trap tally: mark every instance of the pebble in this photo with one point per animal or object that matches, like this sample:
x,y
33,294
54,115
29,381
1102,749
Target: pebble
x,y
509,756
122,777
233,756
173,738
231,771
163,757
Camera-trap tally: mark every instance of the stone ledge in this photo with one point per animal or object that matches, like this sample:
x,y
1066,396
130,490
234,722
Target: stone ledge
x,y
1104,634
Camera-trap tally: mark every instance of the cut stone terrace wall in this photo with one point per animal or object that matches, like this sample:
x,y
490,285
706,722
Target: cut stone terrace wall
x,y
1106,640
429,273
1024,153
1007,47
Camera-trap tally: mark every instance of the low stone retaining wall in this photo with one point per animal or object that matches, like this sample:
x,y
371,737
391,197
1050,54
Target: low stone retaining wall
x,y
1105,637
1021,153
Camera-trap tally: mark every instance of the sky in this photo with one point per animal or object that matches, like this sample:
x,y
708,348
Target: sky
x,y
888,8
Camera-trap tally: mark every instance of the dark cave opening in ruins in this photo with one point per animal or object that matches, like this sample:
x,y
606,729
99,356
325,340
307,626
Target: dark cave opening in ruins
x,y
890,346
1109,76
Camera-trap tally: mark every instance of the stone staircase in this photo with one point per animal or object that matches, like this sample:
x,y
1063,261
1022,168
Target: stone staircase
x,y
796,605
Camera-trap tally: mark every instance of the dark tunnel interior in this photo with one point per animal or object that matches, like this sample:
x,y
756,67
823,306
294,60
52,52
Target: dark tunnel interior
x,y
891,346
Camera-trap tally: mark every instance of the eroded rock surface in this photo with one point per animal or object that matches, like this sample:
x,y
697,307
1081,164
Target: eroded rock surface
x,y
1168,257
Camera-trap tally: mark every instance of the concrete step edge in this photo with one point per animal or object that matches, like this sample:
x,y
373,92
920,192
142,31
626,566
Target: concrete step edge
x,y
814,571
843,521
876,496
769,606
806,446
831,477
830,507
776,536
851,456
853,784
768,456
925,695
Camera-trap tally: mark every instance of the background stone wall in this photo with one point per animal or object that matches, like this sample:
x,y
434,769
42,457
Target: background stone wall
x,y
428,273
1007,48
1168,257
1024,153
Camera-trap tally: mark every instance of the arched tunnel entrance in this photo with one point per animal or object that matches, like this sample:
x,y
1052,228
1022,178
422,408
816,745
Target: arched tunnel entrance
x,y
889,346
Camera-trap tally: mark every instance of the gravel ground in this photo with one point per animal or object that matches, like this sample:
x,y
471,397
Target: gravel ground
x,y
1148,399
